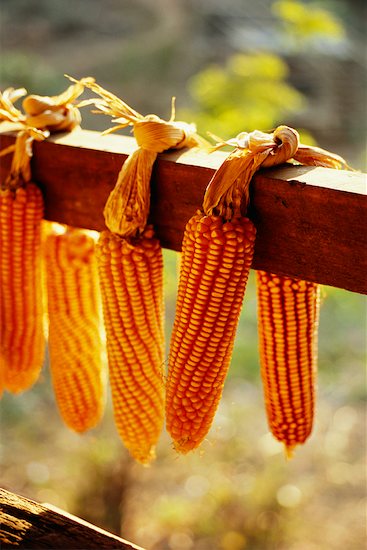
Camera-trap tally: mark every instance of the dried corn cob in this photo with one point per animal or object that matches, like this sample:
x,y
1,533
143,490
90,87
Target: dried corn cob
x,y
21,212
288,311
131,279
21,313
216,259
74,328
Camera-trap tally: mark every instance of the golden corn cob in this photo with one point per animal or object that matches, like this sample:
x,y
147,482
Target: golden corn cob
x,y
74,328
131,278
216,258
22,342
288,311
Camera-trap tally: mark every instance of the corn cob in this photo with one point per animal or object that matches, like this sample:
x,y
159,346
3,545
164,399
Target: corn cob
x,y
216,258
288,311
21,313
130,271
74,328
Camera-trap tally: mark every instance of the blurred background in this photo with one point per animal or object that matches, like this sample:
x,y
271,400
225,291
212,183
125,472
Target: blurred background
x,y
233,66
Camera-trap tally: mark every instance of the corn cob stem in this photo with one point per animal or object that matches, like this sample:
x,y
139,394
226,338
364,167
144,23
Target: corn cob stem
x,y
74,328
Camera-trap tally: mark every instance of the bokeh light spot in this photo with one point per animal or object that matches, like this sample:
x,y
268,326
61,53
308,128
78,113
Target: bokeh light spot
x,y
197,486
38,473
289,496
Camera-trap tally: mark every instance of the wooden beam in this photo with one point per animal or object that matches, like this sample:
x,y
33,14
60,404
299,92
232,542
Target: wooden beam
x,y
28,524
311,222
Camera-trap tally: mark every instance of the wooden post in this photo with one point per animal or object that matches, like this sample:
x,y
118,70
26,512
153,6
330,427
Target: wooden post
x,y
26,524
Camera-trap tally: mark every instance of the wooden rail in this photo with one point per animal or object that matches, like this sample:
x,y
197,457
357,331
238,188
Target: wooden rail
x,y
311,222
27,524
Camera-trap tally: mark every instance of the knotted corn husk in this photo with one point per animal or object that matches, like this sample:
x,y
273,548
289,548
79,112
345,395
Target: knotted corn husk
x,y
127,207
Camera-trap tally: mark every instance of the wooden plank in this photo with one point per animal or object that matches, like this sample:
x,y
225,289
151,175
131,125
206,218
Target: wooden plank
x,y
27,524
311,221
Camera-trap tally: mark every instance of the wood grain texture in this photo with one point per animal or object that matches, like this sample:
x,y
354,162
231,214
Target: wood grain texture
x,y
311,221
27,524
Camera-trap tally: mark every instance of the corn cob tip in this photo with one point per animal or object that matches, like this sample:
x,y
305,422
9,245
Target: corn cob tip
x,y
144,458
82,424
184,445
17,383
289,451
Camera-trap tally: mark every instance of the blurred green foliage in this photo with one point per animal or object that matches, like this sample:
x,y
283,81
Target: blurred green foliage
x,y
28,71
302,22
249,92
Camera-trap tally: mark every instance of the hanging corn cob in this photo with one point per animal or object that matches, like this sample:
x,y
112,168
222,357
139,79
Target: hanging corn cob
x,y
288,313
216,259
22,337
21,210
131,275
74,327
130,271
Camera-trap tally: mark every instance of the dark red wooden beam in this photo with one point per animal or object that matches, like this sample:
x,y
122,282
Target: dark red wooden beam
x,y
311,222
